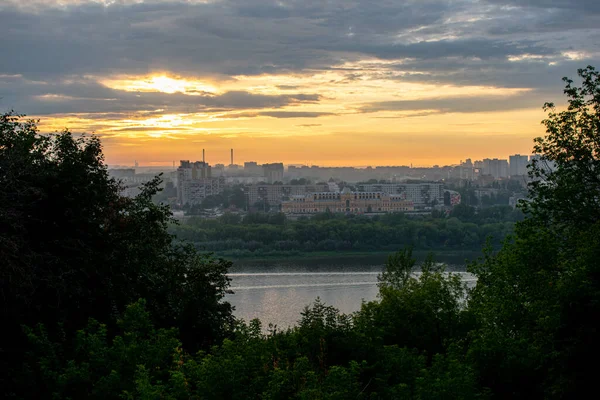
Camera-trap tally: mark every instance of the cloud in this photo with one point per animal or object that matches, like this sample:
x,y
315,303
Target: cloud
x,y
579,5
60,49
471,104
294,114
402,116
88,96
243,37
279,114
288,87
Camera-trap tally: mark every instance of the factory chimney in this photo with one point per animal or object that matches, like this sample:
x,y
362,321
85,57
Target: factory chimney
x,y
231,156
203,160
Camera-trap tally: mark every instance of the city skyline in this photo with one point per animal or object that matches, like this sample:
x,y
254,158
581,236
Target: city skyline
x,y
327,83
241,163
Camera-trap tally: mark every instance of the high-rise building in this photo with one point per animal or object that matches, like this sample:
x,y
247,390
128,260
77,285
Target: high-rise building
x,y
542,163
518,165
467,169
495,167
195,183
273,172
251,168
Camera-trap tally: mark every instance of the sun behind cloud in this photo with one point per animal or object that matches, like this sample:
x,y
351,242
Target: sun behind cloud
x,y
160,83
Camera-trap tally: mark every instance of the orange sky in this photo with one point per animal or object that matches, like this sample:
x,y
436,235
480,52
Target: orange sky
x,y
344,133
331,83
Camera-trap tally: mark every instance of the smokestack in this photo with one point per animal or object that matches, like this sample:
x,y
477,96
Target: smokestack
x,y
231,156
203,160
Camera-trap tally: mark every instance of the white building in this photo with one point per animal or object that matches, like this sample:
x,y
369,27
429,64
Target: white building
x,y
495,167
518,165
420,194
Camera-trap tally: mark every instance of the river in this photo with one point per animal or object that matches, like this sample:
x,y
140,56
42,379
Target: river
x,y
277,291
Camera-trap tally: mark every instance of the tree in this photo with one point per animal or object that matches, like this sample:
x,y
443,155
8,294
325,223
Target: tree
x,y
463,212
262,205
73,248
237,197
535,299
566,175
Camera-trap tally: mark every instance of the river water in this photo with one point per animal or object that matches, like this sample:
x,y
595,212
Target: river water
x,y
276,292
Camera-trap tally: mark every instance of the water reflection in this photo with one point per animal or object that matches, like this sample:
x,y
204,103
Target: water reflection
x,y
277,294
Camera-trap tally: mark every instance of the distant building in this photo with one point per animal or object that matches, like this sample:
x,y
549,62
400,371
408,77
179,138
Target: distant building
x,y
218,169
518,165
273,172
251,168
275,194
195,191
495,167
195,182
193,170
121,173
420,194
548,166
467,170
244,180
348,202
333,187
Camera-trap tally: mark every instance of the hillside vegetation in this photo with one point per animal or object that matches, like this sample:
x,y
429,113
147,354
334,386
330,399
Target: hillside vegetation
x,y
100,301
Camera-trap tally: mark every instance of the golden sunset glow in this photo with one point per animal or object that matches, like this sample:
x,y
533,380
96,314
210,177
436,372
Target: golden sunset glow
x,y
335,130
338,83
159,83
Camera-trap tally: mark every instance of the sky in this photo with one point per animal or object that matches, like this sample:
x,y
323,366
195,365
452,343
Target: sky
x,y
329,82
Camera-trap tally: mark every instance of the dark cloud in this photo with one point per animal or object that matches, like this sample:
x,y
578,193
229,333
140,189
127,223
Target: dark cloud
x,y
457,104
579,5
460,42
528,73
87,96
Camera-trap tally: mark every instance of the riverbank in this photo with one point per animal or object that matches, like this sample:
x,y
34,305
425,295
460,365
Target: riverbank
x,y
321,260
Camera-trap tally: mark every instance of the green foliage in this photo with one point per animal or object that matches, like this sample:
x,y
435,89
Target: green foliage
x,y
535,300
528,329
100,368
417,310
567,175
74,248
328,355
260,234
